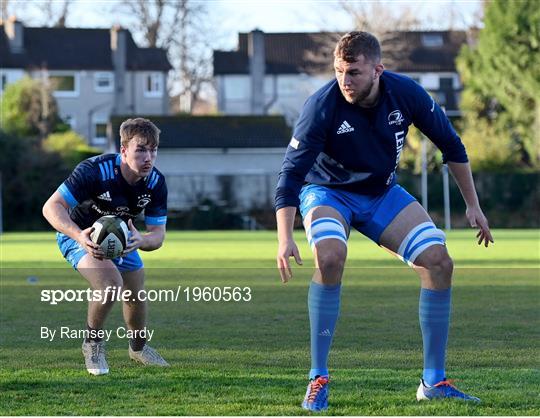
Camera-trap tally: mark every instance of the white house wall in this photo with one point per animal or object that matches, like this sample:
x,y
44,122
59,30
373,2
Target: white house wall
x,y
84,107
88,106
220,161
431,81
292,91
144,105
243,179
284,94
235,91
10,76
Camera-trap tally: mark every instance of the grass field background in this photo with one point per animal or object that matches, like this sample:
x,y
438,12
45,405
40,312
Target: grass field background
x,y
251,358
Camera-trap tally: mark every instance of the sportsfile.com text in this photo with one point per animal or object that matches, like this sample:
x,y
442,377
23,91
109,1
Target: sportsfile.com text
x,y
118,294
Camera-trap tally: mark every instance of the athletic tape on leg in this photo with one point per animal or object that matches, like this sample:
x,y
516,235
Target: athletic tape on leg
x,y
421,237
325,228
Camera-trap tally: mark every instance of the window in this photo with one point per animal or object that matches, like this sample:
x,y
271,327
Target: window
x,y
101,130
64,85
153,86
70,120
104,82
446,83
99,127
432,39
100,134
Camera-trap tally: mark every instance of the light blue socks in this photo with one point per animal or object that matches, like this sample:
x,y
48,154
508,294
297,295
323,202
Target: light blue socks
x,y
434,313
323,304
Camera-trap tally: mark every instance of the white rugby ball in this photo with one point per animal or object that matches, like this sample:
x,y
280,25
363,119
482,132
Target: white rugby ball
x,y
111,234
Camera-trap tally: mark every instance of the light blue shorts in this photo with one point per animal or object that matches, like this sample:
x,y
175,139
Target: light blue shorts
x,y
369,215
73,252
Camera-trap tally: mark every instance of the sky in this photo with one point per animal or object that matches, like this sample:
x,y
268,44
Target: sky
x,y
229,17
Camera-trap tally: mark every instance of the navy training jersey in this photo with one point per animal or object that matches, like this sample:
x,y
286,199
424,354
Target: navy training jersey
x,y
341,145
96,188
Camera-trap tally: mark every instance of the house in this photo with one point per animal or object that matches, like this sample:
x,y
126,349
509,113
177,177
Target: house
x,y
94,73
274,73
232,161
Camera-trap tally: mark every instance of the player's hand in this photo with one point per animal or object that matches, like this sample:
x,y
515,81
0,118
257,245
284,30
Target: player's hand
x,y
478,220
89,246
135,239
285,250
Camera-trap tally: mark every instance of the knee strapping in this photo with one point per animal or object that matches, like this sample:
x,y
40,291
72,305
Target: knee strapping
x,y
418,240
325,228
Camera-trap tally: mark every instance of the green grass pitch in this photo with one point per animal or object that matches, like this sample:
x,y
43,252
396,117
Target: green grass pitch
x,y
252,358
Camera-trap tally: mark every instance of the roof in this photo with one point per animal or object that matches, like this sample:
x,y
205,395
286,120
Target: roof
x,y
77,49
421,58
285,53
216,131
311,52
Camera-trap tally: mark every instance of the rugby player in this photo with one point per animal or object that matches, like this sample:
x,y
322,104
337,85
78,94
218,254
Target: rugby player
x,y
340,170
124,185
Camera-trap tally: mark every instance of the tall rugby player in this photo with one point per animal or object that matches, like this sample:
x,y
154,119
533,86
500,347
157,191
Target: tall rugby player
x,y
340,169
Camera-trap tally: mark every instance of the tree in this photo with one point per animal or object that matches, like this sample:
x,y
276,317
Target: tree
x,y
30,176
382,19
28,109
57,12
181,27
52,13
385,21
70,146
501,74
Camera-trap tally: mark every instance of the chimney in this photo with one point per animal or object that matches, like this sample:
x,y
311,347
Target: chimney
x,y
15,33
257,59
119,59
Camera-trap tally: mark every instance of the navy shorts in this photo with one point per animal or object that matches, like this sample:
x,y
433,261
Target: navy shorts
x,y
369,215
73,252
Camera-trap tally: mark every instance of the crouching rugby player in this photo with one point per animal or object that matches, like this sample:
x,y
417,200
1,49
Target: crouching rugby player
x,y
124,185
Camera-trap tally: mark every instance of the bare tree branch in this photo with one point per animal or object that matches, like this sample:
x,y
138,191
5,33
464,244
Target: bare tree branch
x,y
385,22
56,17
61,19
51,13
179,27
381,19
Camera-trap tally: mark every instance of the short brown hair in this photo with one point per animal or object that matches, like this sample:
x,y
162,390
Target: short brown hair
x,y
355,43
140,127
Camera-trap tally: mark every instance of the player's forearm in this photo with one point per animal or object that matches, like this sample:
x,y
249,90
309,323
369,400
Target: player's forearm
x,y
152,240
463,176
57,215
285,223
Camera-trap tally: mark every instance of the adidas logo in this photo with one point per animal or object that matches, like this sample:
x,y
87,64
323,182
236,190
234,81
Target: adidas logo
x,y
105,196
325,333
344,128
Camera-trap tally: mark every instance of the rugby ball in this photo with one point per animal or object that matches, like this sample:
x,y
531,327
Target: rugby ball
x,y
111,234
